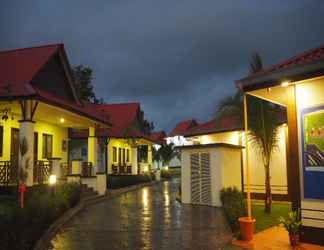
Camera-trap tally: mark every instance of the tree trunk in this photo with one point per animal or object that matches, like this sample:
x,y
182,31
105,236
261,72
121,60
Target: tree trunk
x,y
267,198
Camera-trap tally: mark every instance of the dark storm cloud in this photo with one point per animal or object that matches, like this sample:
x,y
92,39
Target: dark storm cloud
x,y
177,57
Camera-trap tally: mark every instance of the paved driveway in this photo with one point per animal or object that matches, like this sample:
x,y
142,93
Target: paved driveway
x,y
148,218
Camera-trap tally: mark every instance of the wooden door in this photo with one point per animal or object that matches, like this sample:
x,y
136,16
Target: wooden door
x,y
14,148
35,146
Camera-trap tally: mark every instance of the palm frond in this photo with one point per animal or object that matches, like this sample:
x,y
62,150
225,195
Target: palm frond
x,y
230,106
255,63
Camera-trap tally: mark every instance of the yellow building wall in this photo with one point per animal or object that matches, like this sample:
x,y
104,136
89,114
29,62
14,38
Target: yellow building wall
x,y
278,161
59,134
124,144
118,143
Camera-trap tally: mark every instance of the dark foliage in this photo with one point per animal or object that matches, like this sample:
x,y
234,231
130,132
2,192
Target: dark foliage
x,y
166,174
21,228
234,207
83,81
119,181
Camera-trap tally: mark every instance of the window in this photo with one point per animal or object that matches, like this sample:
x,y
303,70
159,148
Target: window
x,y
47,146
114,154
124,156
1,140
142,153
119,155
127,155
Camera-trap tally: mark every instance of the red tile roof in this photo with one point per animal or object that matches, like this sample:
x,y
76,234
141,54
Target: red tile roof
x,y
158,137
226,124
309,57
19,67
122,117
182,127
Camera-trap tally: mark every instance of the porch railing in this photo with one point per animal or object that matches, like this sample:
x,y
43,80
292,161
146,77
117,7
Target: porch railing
x,y
42,171
65,169
86,169
8,173
121,169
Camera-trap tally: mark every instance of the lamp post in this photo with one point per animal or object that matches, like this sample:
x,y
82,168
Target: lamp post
x,y
52,183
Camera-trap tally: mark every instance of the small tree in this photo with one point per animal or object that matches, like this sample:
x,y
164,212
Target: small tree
x,y
167,152
83,80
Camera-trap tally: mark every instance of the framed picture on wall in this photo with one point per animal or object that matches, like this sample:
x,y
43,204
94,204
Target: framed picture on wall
x,y
313,139
312,142
64,145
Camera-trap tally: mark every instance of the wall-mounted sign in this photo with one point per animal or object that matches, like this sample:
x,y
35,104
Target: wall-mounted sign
x,y
312,129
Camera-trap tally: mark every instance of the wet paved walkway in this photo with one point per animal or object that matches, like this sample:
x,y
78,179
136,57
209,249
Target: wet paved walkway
x,y
147,218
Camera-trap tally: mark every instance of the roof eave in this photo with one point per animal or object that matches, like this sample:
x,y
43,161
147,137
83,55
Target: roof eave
x,y
266,80
213,132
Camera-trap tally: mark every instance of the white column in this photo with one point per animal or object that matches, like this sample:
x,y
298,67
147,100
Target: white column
x,y
56,167
134,160
149,157
93,149
26,132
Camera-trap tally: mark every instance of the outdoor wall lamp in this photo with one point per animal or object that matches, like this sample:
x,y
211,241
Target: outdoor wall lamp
x,y
285,84
52,179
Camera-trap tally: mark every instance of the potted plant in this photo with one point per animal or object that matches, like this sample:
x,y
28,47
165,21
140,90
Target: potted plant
x,y
292,224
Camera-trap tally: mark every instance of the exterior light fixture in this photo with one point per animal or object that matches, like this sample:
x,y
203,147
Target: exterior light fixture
x,y
52,179
62,120
166,168
145,169
285,84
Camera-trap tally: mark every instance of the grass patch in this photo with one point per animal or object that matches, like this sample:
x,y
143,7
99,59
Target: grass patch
x,y
263,220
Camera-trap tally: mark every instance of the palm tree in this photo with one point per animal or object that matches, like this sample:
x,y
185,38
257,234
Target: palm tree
x,y
263,125
264,136
156,156
167,152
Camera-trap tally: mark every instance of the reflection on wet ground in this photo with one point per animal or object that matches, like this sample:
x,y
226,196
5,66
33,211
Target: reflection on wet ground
x,y
148,218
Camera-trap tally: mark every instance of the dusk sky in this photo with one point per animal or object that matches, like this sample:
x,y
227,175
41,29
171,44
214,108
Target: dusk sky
x,y
178,58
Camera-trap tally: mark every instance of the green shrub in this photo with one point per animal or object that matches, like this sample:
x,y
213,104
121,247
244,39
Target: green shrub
x,y
234,206
21,228
166,174
119,181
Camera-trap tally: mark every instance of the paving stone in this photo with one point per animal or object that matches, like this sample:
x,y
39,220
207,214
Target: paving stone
x,y
147,218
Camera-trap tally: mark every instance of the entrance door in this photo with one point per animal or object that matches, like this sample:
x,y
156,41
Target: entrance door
x,y
14,148
35,146
200,178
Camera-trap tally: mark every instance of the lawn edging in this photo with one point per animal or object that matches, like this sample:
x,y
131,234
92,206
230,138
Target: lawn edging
x,y
44,242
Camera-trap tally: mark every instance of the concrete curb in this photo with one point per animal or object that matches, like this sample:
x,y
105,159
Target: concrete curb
x,y
44,242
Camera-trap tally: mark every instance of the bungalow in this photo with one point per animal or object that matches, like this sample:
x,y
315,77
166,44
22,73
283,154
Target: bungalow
x,y
176,137
128,147
229,130
298,84
38,107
